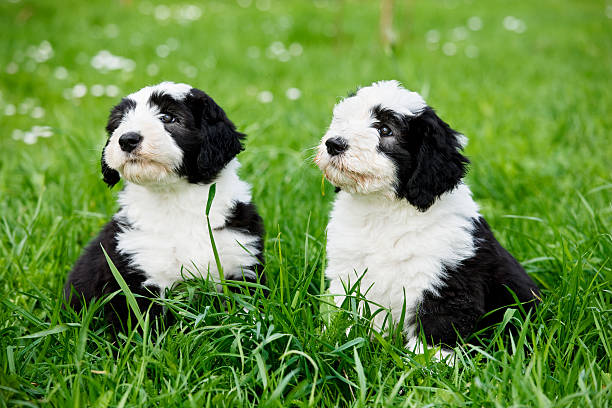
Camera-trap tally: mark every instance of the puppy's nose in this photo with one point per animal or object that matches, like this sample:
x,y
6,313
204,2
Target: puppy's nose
x,y
129,141
336,145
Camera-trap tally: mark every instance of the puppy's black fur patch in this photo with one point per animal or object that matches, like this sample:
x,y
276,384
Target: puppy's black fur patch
x,y
245,218
481,284
221,142
111,176
426,153
92,278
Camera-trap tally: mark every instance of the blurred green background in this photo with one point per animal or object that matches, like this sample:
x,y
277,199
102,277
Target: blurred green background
x,y
529,83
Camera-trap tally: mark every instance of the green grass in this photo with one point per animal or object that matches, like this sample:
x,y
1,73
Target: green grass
x,y
536,106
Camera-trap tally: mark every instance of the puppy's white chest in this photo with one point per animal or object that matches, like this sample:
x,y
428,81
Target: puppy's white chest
x,y
402,251
392,260
169,250
167,237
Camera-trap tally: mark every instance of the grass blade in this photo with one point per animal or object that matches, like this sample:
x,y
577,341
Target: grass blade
x,y
43,333
125,288
361,377
211,196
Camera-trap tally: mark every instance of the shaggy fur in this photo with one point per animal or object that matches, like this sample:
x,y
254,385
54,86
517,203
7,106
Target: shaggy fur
x,y
406,224
170,142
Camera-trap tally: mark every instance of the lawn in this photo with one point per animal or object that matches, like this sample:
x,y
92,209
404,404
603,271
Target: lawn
x,y
528,82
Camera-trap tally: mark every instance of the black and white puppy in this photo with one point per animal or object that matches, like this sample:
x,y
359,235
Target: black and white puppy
x,y
170,142
405,218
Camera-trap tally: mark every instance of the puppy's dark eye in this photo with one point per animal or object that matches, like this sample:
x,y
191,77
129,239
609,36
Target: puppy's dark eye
x,y
167,118
385,131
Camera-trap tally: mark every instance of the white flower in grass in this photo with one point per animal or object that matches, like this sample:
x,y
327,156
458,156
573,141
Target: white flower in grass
x,y
432,36
512,23
265,97
79,91
37,113
284,57
40,53
296,49
449,49
293,94
42,131
521,27
459,33
32,135
172,44
474,23
105,61
112,90
12,68
129,65
277,48
189,12
97,90
162,51
10,110
162,12
17,134
60,73
244,3
26,106
29,138
152,69
190,71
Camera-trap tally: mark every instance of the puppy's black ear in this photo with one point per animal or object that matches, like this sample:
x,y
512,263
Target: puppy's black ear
x,y
438,165
110,176
221,141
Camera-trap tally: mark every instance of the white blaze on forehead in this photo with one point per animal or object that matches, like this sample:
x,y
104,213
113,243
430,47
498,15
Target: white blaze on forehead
x,y
177,91
388,94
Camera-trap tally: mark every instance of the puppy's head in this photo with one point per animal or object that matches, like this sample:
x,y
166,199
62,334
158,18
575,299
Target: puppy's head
x,y
165,133
385,140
